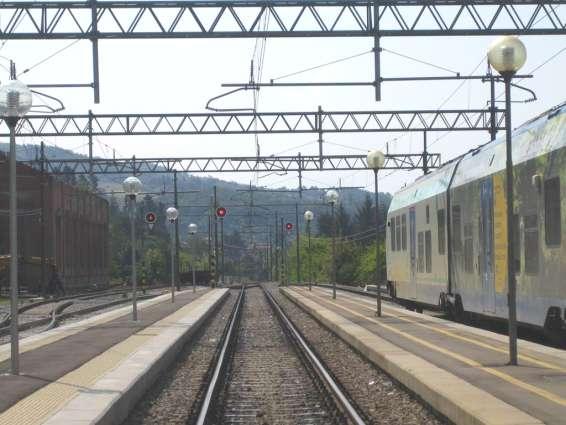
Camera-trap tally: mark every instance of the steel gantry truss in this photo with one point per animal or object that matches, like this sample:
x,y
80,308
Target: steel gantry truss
x,y
298,163
260,122
95,20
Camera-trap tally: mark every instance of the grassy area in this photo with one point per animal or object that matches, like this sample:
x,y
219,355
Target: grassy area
x,y
4,300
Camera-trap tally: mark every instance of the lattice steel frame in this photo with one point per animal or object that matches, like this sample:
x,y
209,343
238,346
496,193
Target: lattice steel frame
x,y
94,20
298,163
261,122
296,18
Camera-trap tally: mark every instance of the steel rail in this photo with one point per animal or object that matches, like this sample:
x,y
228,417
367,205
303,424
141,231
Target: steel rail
x,y
220,362
331,384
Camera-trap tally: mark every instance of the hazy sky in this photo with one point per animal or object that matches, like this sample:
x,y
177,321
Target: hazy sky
x,y
181,75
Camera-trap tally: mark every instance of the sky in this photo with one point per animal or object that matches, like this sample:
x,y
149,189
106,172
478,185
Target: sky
x,y
155,76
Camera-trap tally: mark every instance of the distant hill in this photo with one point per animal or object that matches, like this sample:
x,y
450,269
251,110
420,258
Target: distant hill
x,y
228,193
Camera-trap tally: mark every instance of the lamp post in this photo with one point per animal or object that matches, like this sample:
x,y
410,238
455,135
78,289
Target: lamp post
x,y
132,187
507,55
192,231
172,213
15,102
332,198
375,160
308,218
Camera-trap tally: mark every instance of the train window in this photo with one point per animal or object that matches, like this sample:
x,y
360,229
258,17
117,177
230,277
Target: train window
x,y
428,252
404,232
531,243
398,232
516,243
468,248
552,216
441,221
392,231
420,259
427,215
457,228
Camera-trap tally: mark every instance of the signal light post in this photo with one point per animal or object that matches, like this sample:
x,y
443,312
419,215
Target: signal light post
x,y
308,218
220,214
192,231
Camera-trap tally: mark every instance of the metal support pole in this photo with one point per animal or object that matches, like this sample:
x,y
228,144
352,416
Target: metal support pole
x,y
94,40
512,283
13,222
223,277
297,235
492,111
377,269
319,127
310,254
177,244
300,176
425,154
283,254
333,252
134,276
376,53
277,273
172,237
209,239
215,239
42,223
194,278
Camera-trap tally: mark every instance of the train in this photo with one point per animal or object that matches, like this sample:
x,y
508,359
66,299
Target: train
x,y
446,238
60,224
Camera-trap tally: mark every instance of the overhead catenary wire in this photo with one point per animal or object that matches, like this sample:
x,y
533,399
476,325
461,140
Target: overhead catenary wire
x,y
51,56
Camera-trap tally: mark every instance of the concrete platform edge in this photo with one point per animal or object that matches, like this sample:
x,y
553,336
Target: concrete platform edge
x,y
456,399
118,411
116,393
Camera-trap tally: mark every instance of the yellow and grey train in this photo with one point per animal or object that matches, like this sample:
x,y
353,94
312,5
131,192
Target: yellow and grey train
x,y
447,232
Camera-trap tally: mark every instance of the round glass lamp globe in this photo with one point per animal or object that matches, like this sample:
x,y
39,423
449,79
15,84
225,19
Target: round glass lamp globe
x,y
172,213
507,54
332,196
375,159
132,186
15,99
192,228
309,215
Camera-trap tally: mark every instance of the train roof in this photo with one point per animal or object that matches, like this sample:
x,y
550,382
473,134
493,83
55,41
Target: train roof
x,y
537,136
425,187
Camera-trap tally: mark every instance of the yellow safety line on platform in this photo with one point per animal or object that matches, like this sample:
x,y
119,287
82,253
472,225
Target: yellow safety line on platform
x,y
54,335
470,362
456,336
38,406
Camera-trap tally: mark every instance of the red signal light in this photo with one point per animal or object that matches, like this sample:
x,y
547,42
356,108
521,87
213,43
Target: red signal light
x,y
221,212
150,217
289,226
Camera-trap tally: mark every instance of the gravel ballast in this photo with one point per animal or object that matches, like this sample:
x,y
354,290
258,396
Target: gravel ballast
x,y
382,400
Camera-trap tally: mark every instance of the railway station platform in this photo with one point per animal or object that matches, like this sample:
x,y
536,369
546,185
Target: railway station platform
x,y
94,371
460,371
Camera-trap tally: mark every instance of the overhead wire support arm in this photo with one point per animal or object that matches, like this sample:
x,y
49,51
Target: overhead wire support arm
x,y
295,18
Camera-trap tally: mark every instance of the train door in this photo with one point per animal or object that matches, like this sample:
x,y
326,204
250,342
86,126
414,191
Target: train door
x,y
413,250
486,245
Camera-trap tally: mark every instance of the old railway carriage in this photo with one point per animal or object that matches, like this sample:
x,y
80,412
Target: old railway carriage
x,y
447,232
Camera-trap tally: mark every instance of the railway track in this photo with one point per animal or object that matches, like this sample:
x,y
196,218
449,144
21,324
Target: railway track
x,y
264,372
51,312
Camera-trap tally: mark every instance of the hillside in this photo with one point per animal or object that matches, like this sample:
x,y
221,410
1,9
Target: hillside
x,y
228,194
